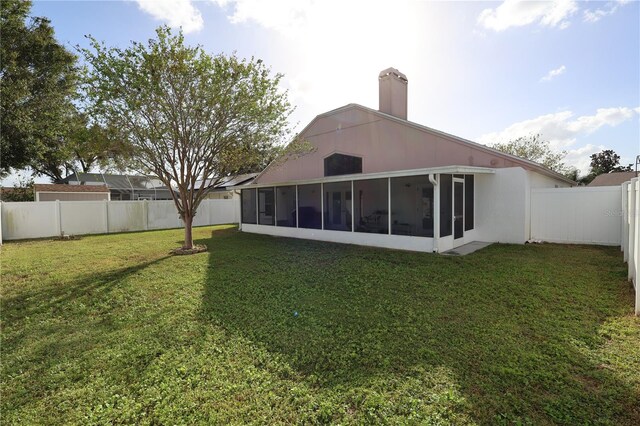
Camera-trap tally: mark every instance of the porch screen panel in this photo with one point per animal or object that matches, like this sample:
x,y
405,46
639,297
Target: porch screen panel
x,y
249,201
266,206
337,206
371,206
446,200
286,206
468,202
309,206
412,206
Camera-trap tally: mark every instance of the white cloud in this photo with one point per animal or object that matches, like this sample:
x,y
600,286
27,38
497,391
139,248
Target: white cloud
x,y
514,13
580,158
559,128
285,16
609,9
562,131
176,13
554,73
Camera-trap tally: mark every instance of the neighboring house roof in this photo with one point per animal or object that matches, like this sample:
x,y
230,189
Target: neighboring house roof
x,y
527,164
124,182
228,181
42,187
612,179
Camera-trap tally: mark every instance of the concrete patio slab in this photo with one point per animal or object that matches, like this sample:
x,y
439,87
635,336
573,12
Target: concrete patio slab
x,y
467,248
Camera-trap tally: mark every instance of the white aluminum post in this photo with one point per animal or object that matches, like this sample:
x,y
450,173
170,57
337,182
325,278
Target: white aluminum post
x,y
436,209
353,217
389,204
322,206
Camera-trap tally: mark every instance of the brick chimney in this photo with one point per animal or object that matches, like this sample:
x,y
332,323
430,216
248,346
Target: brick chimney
x,y
393,93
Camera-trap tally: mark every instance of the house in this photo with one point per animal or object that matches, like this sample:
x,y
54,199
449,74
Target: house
x,y
612,179
227,187
375,178
61,192
123,187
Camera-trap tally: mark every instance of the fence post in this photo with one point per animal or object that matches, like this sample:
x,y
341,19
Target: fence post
x,y
633,222
624,244
106,216
58,218
636,267
1,208
145,212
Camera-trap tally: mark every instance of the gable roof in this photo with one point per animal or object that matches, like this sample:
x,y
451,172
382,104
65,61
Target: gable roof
x,y
452,138
612,179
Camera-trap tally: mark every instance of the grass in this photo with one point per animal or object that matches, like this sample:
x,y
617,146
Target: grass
x,y
112,330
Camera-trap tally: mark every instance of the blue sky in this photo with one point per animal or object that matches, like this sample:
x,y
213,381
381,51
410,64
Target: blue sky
x,y
486,71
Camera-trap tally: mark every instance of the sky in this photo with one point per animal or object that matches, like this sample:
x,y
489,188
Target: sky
x,y
486,71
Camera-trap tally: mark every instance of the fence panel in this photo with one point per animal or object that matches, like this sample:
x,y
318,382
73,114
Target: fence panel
x,y
50,218
127,216
577,215
162,215
30,220
83,217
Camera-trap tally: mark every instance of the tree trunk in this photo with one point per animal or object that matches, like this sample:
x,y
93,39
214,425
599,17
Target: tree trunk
x,y
188,234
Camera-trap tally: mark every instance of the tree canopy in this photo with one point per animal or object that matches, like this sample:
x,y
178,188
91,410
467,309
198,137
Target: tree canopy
x,y
39,78
186,115
536,149
41,125
607,161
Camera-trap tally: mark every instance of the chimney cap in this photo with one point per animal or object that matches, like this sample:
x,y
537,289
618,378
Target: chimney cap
x,y
394,72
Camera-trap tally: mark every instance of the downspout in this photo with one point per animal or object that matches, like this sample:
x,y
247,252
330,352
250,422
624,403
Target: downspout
x,y
436,211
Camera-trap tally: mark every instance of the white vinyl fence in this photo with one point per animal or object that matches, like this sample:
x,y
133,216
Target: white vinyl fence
x,y
631,233
580,215
52,218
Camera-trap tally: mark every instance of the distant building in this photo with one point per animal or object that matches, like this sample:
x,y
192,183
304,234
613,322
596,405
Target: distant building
x,y
62,192
123,187
222,191
612,179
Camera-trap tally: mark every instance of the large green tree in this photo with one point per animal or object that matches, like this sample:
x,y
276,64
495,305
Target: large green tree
x,y
607,161
37,86
84,146
185,114
536,149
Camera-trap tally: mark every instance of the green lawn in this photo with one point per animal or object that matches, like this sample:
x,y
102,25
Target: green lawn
x,y
111,329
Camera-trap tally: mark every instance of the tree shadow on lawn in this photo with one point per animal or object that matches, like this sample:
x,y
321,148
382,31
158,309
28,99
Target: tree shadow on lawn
x,y
53,334
518,326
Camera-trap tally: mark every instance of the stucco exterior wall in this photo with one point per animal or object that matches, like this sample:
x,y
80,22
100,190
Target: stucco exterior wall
x,y
385,144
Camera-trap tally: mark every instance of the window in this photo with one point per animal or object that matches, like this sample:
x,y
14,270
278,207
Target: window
x,y
468,202
286,206
340,164
309,206
371,206
412,206
266,206
337,206
446,201
248,205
